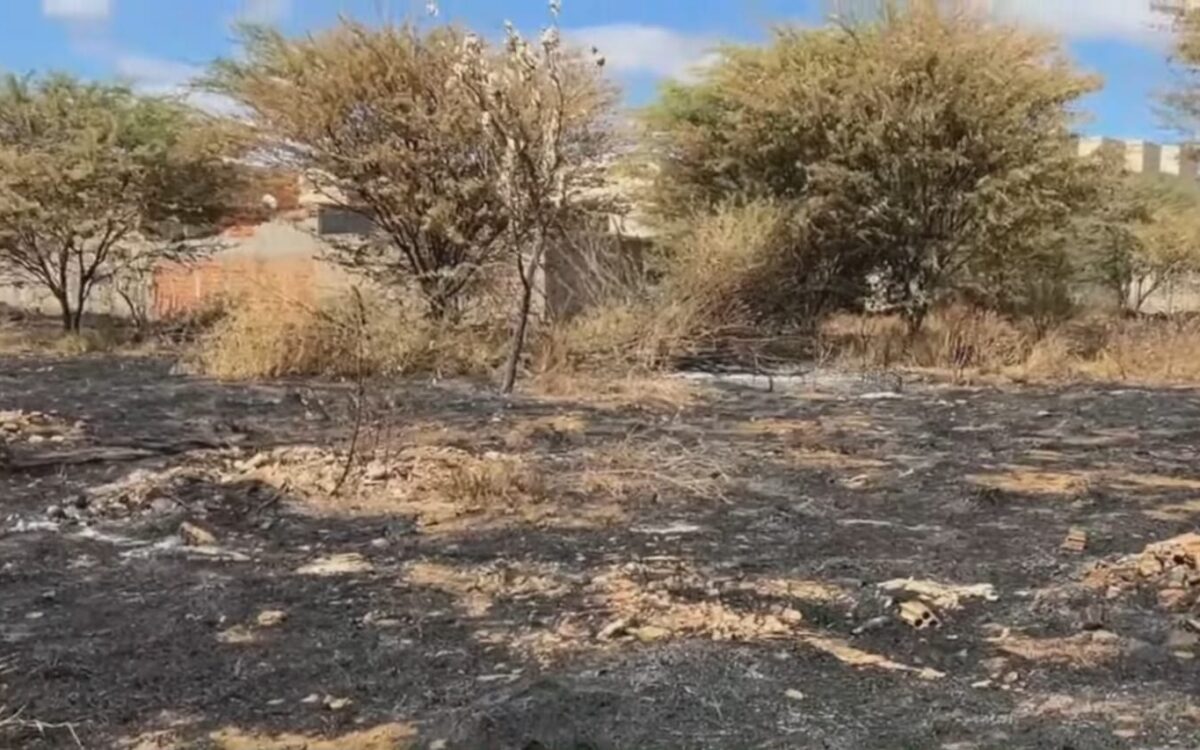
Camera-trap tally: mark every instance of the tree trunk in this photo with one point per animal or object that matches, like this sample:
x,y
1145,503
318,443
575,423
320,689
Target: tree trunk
x,y
67,315
528,278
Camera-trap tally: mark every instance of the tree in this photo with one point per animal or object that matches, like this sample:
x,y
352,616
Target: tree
x,y
95,179
545,116
367,114
1147,237
913,147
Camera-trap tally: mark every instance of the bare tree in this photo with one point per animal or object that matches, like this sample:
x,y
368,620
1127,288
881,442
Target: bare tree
x,y
545,112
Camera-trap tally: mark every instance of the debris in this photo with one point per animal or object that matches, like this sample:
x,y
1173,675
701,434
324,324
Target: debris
x,y
237,635
873,624
918,615
981,684
311,698
793,694
613,629
334,565
337,704
1076,540
195,536
940,595
269,618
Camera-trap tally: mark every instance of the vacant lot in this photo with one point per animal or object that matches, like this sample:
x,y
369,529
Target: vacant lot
x,y
663,564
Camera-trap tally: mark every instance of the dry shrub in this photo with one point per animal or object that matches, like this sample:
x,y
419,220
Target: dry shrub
x,y
269,335
1150,350
725,271
955,338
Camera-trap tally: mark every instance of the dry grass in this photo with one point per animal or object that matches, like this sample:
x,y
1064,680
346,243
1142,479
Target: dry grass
x,y
966,342
956,339
1026,480
267,334
386,737
647,391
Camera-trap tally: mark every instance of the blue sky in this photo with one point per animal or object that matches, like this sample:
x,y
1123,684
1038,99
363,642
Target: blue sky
x,y
159,44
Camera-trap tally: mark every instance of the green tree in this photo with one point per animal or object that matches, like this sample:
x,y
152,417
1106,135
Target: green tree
x,y
95,179
913,147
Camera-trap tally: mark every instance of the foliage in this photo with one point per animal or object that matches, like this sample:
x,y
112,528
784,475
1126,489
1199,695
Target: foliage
x,y
267,334
96,180
915,147
1143,237
368,115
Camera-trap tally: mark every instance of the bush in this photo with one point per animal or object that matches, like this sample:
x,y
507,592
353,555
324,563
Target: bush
x,y
266,336
957,338
917,148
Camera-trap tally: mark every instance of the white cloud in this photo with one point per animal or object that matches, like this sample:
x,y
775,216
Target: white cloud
x,y
265,11
1122,20
639,48
159,77
77,10
152,71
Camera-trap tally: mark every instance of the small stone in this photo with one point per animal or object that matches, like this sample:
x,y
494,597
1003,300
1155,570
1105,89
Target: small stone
x,y
337,704
791,616
793,694
981,684
36,439
439,745
311,698
275,702
269,618
162,505
194,536
55,512
1011,677
1105,636
35,615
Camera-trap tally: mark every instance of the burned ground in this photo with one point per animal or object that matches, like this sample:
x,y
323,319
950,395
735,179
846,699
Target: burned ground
x,y
700,570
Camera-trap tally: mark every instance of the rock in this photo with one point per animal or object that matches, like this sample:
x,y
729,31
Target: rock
x,y
36,439
793,695
791,616
269,618
162,505
337,704
1011,678
311,698
55,512
195,536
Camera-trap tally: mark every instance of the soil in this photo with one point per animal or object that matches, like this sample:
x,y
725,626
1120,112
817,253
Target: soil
x,y
184,565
